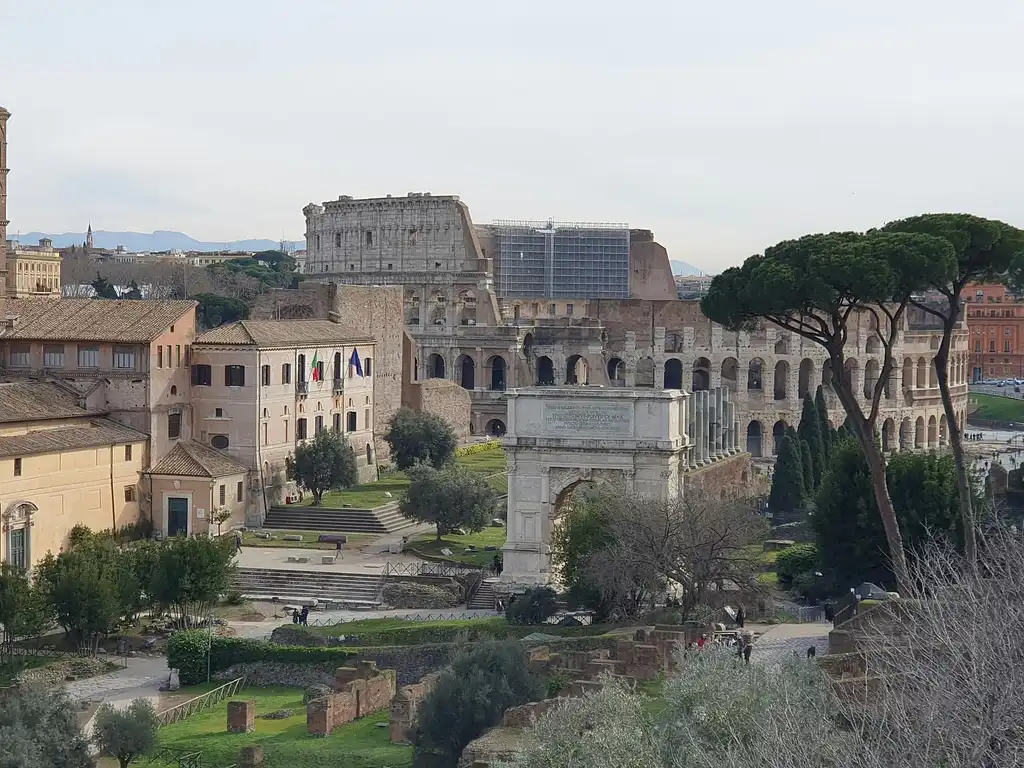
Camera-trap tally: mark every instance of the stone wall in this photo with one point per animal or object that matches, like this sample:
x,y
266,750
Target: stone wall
x,y
442,398
731,472
647,655
359,691
405,708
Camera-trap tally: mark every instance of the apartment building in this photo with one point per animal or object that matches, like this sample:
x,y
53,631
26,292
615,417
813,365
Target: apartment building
x,y
995,322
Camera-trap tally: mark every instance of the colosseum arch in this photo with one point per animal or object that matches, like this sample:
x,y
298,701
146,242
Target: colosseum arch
x,y
701,377
412,307
778,432
644,372
466,306
673,378
495,370
919,433
755,375
465,369
435,367
908,373
850,368
922,374
826,374
730,373
755,438
906,434
870,377
943,431
545,372
806,377
616,372
872,345
933,432
576,370
780,380
888,435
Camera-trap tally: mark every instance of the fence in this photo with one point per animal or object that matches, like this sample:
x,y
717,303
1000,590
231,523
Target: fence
x,y
445,570
188,708
414,617
183,758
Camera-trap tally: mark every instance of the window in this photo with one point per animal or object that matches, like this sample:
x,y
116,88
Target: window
x,y
17,467
350,421
551,309
1006,346
300,371
337,239
222,494
177,356
239,490
265,433
366,419
174,390
991,346
568,309
88,357
159,357
128,453
173,425
220,442
319,370
369,237
124,358
234,375
318,242
53,355
286,430
129,493
218,413
337,422
265,375
977,346
16,548
188,355
202,375
21,356
300,429
286,373
319,425
368,368
168,355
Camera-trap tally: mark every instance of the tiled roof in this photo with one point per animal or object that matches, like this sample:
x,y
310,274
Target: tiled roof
x,y
98,432
36,400
282,333
121,320
192,459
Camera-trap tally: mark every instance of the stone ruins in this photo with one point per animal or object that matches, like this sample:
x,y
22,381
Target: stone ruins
x,y
358,691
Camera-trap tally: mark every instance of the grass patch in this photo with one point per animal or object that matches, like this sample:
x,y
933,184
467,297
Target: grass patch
x,y
309,539
489,461
21,663
360,744
768,579
488,537
997,408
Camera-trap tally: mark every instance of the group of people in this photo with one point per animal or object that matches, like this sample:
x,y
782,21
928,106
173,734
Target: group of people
x,y
974,436
301,617
742,643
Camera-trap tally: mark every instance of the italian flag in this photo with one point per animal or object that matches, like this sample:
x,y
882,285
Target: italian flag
x,y
316,368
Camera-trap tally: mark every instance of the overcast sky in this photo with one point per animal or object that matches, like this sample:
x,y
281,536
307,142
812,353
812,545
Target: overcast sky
x,y
722,126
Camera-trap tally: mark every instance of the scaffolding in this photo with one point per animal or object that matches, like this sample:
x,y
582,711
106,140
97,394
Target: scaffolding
x,y
562,260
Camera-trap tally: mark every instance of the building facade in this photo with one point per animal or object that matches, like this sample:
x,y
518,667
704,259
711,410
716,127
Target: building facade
x,y
62,465
259,388
4,117
33,270
995,321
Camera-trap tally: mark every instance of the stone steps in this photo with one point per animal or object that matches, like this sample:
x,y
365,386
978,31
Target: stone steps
x,y
383,520
484,598
268,583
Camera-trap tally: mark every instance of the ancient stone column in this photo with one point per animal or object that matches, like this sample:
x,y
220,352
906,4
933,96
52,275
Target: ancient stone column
x,y
698,429
730,435
705,426
719,421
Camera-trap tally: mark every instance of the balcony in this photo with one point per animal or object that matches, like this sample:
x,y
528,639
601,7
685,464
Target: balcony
x,y
301,388
339,386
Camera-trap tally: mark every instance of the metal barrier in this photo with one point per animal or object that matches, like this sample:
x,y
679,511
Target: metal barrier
x,y
444,570
412,618
188,708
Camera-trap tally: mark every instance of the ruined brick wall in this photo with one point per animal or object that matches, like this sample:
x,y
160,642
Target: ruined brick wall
x,y
650,274
359,691
405,709
310,301
442,398
731,473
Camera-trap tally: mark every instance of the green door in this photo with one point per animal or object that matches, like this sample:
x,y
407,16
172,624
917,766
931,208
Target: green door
x,y
177,516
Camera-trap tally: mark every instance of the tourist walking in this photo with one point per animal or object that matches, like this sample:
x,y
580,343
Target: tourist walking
x,y
238,542
740,617
748,646
304,616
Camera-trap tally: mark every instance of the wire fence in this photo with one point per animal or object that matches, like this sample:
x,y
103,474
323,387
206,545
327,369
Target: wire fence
x,y
412,618
445,570
188,708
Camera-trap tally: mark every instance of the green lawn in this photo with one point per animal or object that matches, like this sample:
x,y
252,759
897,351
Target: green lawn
x,y
428,544
996,408
309,539
489,461
384,632
360,744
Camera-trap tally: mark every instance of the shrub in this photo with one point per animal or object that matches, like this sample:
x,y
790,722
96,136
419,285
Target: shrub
x,y
795,560
187,652
314,692
468,450
535,606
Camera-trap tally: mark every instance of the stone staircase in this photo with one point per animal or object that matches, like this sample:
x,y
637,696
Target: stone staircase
x,y
382,520
484,598
291,585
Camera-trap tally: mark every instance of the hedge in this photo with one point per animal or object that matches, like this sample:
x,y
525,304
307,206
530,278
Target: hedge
x,y
187,652
466,450
422,633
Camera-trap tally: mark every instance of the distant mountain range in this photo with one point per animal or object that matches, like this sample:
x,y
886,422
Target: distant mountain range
x,y
682,268
161,240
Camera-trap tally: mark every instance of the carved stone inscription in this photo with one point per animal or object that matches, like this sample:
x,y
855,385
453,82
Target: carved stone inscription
x,y
589,419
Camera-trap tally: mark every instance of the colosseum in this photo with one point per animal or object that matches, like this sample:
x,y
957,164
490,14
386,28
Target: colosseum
x,y
520,304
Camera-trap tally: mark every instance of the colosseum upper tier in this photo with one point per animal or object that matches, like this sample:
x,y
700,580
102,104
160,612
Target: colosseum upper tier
x,y
468,325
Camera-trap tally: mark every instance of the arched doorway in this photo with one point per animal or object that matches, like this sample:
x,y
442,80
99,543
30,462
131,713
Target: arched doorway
x,y
673,374
870,377
495,427
826,374
850,374
755,375
922,374
908,374
496,365
780,381
645,372
778,432
888,435
919,436
467,372
806,374
527,345
701,379
545,371
754,435
576,371
616,371
906,435
943,431
435,367
933,432
17,524
730,373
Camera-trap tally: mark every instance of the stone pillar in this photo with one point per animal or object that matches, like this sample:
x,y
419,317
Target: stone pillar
x,y
700,427
730,413
241,716
251,757
740,446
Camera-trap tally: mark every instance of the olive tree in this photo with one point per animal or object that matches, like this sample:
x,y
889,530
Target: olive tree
x,y
985,250
817,287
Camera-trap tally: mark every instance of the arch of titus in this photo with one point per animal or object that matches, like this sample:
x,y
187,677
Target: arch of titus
x,y
644,440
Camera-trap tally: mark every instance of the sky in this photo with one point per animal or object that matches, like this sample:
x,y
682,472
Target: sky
x,y
723,127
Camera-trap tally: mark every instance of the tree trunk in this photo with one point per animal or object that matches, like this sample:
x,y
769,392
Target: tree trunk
x,y
941,361
865,434
317,497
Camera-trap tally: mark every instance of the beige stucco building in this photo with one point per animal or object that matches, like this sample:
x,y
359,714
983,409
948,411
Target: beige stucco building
x,y
61,465
260,387
33,270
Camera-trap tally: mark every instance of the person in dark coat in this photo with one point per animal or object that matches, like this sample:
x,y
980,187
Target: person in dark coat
x,y
748,646
740,617
304,616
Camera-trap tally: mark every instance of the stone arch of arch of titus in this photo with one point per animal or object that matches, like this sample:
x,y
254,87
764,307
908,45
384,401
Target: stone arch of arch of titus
x,y
558,438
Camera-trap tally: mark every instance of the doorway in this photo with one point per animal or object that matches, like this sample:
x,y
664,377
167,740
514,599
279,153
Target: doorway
x,y
177,516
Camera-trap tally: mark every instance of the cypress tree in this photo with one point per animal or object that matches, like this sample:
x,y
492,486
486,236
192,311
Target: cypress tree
x,y
807,464
810,433
827,431
787,482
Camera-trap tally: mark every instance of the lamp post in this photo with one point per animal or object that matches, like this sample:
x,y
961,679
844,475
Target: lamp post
x,y
209,648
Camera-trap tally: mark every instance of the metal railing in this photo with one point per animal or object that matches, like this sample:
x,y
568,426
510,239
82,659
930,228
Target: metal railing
x,y
412,618
188,708
444,570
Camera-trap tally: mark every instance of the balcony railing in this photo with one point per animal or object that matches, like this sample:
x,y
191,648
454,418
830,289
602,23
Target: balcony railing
x,y
301,388
339,386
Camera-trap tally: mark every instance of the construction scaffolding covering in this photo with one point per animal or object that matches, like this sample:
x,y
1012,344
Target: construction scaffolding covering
x,y
560,260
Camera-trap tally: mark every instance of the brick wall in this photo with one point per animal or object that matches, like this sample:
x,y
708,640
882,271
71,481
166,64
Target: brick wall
x,y
731,472
443,398
359,691
405,708
241,716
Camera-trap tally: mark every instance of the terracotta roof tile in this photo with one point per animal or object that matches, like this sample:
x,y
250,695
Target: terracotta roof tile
x,y
282,333
38,400
88,319
96,433
192,459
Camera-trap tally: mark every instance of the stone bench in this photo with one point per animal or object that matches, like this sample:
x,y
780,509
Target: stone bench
x,y
293,537
327,559
333,538
298,558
